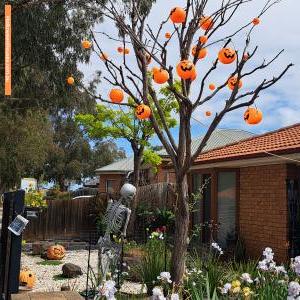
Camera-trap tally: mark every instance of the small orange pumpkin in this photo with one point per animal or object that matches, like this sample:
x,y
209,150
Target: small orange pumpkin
x,y
56,252
155,69
212,87
186,70
86,44
27,278
245,56
208,113
253,116
227,56
126,50
206,23
70,80
104,56
143,111
178,15
161,76
232,82
201,53
256,21
120,49
116,95
168,35
203,39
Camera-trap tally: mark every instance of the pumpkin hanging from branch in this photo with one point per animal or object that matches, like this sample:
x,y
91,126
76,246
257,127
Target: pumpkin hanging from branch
x,y
168,35
253,116
27,278
178,15
126,50
56,252
186,70
212,86
120,49
206,23
155,69
232,82
143,112
161,76
70,80
256,21
227,56
116,95
86,44
208,113
201,53
203,39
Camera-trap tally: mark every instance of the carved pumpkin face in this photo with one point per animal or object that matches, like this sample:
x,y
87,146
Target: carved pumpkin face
x,y
178,15
232,82
116,95
70,80
27,278
203,39
86,44
56,252
186,70
201,53
143,111
256,21
253,116
212,87
104,56
161,76
227,56
206,23
168,35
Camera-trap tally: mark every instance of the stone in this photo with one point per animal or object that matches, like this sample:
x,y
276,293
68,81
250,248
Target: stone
x,y
71,270
65,287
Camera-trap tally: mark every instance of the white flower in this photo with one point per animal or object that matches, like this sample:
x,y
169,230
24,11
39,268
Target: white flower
x,y
217,247
108,290
296,265
262,265
157,294
294,289
246,278
225,289
280,269
165,276
174,297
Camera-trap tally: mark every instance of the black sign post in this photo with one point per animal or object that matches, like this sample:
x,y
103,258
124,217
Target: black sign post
x,y
11,245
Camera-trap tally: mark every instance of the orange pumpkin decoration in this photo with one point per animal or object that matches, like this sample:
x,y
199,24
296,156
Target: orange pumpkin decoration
x,y
70,80
116,95
203,39
56,252
143,111
232,82
168,35
120,49
201,53
186,70
126,50
27,278
104,56
208,113
155,69
253,116
86,44
206,23
227,56
161,76
212,87
256,21
178,15
194,76
245,56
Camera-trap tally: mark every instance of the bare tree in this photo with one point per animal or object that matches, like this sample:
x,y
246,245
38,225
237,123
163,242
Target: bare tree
x,y
131,22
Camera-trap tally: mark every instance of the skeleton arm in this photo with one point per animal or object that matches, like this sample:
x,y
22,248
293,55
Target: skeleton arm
x,y
126,223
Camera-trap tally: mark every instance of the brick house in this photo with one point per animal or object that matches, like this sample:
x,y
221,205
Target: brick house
x,y
252,190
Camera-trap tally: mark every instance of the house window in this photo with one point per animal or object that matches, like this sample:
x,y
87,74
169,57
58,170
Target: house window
x,y
110,184
226,200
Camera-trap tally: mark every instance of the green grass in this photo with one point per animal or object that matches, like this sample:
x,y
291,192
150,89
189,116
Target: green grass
x,y
59,277
49,263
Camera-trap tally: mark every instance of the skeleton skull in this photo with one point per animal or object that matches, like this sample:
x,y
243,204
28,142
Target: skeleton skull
x,y
128,191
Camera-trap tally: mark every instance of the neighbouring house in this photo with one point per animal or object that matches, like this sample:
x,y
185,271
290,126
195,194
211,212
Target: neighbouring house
x,y
252,189
113,175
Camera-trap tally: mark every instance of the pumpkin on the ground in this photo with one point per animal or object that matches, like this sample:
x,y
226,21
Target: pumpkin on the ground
x,y
56,252
27,278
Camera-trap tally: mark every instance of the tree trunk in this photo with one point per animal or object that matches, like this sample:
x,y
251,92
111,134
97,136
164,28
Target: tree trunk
x,y
61,183
181,231
136,178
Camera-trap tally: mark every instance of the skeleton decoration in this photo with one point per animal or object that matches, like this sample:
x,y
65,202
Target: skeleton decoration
x,y
116,220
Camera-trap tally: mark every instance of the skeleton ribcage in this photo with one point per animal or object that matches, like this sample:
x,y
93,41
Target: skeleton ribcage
x,y
115,217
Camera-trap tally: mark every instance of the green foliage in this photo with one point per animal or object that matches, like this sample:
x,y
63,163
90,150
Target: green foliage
x,y
49,263
35,199
151,158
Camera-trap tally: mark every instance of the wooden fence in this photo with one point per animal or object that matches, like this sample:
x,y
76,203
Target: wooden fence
x,y
75,219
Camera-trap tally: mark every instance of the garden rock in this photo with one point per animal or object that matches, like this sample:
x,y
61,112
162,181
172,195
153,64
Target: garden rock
x,y
65,287
71,270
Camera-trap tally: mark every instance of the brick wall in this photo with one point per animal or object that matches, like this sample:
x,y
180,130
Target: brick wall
x,y
117,181
263,209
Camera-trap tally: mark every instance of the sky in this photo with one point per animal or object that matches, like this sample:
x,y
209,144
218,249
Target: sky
x,y
279,29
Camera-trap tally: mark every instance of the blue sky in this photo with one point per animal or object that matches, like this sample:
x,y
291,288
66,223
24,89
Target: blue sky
x,y
279,29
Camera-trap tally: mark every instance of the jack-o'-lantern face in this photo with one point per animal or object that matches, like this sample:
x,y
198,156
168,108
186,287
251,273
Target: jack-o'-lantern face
x,y
86,44
178,15
143,111
232,82
253,116
227,56
56,252
201,53
186,70
27,278
168,35
70,80
161,76
206,23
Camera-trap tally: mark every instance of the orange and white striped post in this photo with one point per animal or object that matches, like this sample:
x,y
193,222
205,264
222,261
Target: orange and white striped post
x,y
7,55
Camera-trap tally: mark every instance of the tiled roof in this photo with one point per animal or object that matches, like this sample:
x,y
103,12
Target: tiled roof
x,y
282,141
219,138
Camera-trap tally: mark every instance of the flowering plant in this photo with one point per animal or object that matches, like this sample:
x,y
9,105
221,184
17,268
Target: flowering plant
x,y
34,198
